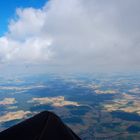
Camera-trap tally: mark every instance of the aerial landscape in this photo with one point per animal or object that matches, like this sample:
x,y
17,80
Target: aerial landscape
x,y
78,59
94,106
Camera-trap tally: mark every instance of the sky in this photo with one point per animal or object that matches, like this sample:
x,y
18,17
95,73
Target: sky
x,y
8,9
73,35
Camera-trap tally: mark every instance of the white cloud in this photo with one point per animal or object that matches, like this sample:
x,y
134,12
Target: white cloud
x,y
91,34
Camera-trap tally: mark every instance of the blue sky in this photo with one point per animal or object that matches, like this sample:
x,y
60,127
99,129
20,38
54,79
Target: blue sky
x,y
8,7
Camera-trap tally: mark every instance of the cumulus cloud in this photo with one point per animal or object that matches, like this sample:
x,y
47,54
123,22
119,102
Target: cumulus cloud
x,y
93,34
